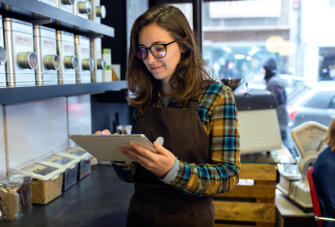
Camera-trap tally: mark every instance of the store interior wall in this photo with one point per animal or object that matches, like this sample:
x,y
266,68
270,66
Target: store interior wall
x,y
37,129
79,112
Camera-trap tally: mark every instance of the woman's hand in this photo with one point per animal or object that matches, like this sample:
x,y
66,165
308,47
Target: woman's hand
x,y
158,162
103,132
107,132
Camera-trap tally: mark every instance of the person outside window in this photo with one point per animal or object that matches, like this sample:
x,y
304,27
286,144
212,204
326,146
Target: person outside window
x,y
276,86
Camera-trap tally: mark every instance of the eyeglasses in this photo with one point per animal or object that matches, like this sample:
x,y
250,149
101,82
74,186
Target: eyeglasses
x,y
158,50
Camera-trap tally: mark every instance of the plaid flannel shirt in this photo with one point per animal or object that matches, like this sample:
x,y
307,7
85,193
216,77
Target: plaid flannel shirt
x,y
218,114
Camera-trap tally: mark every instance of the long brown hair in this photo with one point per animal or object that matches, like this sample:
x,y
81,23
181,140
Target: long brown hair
x,y
330,136
190,72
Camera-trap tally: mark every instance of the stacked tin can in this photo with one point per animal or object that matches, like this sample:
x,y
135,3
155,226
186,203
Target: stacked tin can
x,y
49,60
22,60
66,49
33,54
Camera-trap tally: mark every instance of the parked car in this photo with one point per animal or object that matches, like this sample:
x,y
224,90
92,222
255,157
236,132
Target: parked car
x,y
316,104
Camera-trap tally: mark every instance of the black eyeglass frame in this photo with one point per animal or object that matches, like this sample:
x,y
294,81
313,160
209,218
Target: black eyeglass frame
x,y
149,48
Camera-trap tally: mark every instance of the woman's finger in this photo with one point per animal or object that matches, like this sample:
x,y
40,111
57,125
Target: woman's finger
x,y
143,151
134,155
159,148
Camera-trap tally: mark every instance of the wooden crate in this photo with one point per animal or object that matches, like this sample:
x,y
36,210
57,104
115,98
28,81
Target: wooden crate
x,y
249,205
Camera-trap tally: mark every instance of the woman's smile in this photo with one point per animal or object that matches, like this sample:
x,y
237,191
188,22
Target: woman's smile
x,y
156,68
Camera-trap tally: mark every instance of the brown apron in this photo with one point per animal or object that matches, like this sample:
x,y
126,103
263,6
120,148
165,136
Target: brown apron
x,y
155,203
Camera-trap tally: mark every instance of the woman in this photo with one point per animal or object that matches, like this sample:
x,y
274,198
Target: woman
x,y
175,99
324,176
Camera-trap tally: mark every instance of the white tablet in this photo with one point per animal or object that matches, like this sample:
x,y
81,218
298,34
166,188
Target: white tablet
x,y
107,147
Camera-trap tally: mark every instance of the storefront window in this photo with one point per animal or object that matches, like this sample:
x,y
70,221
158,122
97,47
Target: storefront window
x,y
238,36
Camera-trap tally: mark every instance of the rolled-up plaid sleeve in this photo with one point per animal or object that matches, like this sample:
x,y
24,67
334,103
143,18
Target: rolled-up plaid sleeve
x,y
218,113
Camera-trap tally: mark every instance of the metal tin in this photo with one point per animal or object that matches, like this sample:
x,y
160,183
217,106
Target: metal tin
x,y
3,57
22,60
46,47
100,11
66,51
82,8
66,5
86,62
101,64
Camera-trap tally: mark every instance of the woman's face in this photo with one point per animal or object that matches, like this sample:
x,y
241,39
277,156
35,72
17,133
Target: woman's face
x,y
160,68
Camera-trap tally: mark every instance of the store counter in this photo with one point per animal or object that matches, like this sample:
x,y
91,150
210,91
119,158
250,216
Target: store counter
x,y
288,214
100,199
